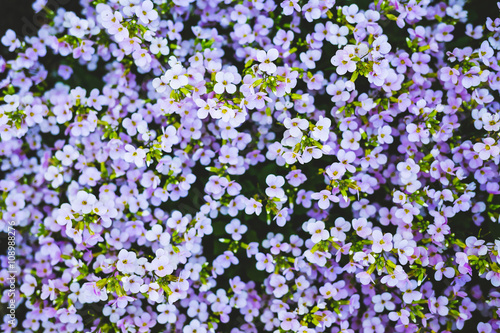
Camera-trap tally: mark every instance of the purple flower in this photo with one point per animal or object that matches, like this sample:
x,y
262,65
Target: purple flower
x,y
283,38
325,198
29,285
471,77
443,32
343,60
264,262
274,184
235,229
381,242
335,171
134,155
126,261
486,149
448,272
317,231
132,183
296,126
362,227
402,315
224,83
420,62
83,202
438,305
279,284
10,40
382,302
350,140
266,60
484,328
417,133
145,322
145,12
290,6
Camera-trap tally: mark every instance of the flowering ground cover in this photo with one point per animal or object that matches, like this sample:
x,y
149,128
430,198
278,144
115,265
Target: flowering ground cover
x,y
251,166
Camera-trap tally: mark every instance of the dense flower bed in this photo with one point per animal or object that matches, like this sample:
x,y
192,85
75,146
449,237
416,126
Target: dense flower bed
x,y
250,166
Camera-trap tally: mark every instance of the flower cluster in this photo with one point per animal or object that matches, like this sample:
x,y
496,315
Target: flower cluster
x,y
252,166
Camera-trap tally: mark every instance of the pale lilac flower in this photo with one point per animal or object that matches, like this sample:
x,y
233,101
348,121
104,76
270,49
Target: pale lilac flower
x,y
336,34
408,168
317,231
290,6
253,206
385,135
325,198
475,246
350,140
362,227
484,328
474,32
321,130
471,77
145,12
279,284
381,242
264,262
443,32
382,302
274,184
417,133
352,14
133,155
159,45
343,61
403,315
407,212
485,53
126,261
486,149
364,278
340,228
29,285
10,39
346,158
266,60
176,77
310,57
441,270
235,229
394,278
295,178
296,126
83,202
228,155
439,305
283,38
224,83
335,170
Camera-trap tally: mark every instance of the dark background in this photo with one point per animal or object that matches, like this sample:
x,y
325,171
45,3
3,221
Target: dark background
x,y
19,15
